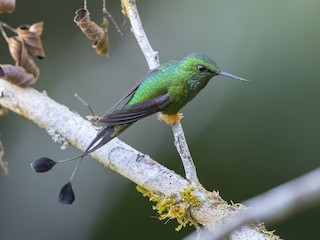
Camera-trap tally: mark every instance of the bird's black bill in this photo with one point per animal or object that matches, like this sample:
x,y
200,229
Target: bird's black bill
x,y
222,73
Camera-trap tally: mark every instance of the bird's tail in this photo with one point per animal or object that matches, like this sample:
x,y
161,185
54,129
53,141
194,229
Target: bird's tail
x,y
104,136
45,164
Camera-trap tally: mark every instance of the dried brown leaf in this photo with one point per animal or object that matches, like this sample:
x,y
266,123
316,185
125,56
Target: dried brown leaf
x,y
102,46
93,31
15,48
37,28
105,23
88,27
30,66
22,47
22,57
16,75
31,36
7,6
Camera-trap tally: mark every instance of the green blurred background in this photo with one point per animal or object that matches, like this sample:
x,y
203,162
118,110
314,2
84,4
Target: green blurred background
x,y
245,139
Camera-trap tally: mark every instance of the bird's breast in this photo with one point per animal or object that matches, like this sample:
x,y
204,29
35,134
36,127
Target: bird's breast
x,y
178,95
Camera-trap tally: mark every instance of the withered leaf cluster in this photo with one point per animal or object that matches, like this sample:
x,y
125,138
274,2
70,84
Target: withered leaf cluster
x,y
98,34
7,6
23,47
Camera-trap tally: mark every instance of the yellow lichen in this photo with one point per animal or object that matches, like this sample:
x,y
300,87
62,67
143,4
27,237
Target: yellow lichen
x,y
269,234
169,208
125,4
188,196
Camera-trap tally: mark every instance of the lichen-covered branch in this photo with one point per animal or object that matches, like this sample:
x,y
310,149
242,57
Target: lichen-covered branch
x,y
276,203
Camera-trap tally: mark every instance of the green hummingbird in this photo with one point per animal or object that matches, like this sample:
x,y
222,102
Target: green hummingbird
x,y
163,90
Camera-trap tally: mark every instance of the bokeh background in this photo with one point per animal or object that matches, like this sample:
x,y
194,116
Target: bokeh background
x,y
245,139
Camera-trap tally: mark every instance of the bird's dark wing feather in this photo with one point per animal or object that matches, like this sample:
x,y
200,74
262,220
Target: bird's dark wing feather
x,y
132,113
132,90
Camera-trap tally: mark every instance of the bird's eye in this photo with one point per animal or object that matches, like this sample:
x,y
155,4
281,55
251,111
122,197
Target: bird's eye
x,y
201,68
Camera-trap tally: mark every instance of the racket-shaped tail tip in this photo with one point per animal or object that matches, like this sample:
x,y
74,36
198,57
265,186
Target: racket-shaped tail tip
x,y
66,195
43,165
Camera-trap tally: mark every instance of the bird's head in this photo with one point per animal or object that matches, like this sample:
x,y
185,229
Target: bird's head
x,y
203,67
200,64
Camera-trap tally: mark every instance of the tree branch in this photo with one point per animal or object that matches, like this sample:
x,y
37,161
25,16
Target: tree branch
x,y
274,204
129,9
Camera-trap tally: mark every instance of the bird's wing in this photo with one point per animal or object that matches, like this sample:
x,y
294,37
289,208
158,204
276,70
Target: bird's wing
x,y
132,91
131,113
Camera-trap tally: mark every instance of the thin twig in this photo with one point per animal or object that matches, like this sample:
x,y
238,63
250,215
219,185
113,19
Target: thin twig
x,y
93,117
85,4
9,27
4,34
85,103
183,149
108,14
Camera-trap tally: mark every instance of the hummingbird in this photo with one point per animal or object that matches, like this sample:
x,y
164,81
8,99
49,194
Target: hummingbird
x,y
163,90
